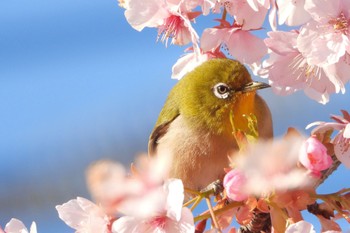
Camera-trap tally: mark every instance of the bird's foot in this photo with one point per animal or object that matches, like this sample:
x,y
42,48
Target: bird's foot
x,y
214,188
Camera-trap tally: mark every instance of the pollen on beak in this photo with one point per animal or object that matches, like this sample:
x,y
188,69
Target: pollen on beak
x,y
253,86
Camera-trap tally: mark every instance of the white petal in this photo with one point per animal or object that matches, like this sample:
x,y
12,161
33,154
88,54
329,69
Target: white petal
x,y
301,227
322,98
292,12
184,225
346,133
175,190
15,226
125,224
33,228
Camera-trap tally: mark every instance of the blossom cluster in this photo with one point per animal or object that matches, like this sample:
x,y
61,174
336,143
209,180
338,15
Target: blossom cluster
x,y
138,202
313,56
277,178
274,177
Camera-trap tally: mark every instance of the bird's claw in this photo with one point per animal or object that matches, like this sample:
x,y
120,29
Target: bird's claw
x,y
214,188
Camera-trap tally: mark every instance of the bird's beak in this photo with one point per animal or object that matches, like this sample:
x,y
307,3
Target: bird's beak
x,y
253,86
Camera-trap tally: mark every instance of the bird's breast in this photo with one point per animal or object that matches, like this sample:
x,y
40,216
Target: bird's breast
x,y
198,156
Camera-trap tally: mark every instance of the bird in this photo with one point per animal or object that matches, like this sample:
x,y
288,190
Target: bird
x,y
195,125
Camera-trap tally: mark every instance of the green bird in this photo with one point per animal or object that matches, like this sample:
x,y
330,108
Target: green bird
x,y
195,125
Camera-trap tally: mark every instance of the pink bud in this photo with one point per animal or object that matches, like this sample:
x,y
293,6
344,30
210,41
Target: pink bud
x,y
313,156
234,182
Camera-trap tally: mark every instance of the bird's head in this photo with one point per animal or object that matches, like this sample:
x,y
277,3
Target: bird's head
x,y
215,89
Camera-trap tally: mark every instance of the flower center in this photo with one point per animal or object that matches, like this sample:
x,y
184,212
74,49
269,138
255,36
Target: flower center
x,y
304,70
170,28
158,222
340,24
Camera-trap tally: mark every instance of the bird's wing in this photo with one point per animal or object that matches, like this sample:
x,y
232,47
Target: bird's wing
x,y
169,113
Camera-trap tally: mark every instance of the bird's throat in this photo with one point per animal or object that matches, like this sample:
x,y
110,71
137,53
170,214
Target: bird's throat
x,y
243,107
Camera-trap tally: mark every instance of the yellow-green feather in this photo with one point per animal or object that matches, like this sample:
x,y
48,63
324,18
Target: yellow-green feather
x,y
192,96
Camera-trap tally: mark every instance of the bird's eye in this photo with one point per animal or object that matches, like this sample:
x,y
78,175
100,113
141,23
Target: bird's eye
x,y
221,90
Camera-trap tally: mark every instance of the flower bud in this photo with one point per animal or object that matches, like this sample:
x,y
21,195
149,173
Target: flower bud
x,y
313,156
234,182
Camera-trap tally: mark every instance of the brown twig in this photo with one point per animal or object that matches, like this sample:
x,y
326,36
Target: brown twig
x,y
212,214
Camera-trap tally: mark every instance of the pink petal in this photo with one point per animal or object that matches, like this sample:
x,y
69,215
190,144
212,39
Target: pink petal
x,y
292,12
342,149
342,70
146,13
282,42
83,215
313,155
212,38
322,44
322,10
185,33
328,225
246,16
300,227
246,47
253,4
328,49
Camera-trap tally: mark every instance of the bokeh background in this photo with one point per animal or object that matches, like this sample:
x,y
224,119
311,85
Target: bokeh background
x,y
78,84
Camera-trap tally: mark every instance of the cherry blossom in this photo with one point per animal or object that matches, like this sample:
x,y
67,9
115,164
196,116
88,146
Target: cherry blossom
x,y
172,18
104,179
325,39
288,69
84,216
129,194
313,156
169,217
341,140
240,43
16,226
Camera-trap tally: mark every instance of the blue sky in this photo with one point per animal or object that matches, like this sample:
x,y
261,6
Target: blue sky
x,y
78,84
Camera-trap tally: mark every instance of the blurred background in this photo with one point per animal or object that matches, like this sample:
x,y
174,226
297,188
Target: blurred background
x,y
78,84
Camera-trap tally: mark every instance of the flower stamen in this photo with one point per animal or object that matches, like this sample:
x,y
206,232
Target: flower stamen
x,y
170,28
158,222
340,24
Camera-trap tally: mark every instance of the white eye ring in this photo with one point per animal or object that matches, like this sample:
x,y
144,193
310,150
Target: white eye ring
x,y
221,90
